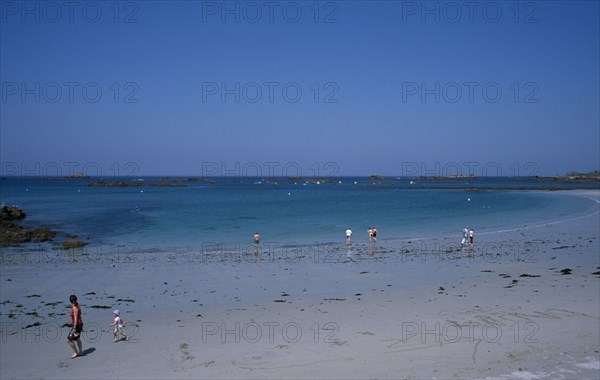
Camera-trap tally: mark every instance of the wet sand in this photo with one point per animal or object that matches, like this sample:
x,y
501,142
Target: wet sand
x,y
524,303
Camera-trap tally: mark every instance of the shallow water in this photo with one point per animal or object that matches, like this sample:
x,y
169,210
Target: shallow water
x,y
287,213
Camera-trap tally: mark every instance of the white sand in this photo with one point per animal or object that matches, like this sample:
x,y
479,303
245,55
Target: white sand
x,y
347,314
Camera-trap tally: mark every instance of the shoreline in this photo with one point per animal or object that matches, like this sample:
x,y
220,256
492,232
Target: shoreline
x,y
508,309
128,250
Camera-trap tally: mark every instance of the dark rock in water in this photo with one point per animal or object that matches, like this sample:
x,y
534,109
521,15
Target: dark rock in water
x,y
11,233
14,234
100,307
565,271
69,244
8,213
43,234
114,184
596,273
529,275
131,184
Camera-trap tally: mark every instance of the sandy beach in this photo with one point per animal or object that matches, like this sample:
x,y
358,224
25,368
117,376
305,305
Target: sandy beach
x,y
524,303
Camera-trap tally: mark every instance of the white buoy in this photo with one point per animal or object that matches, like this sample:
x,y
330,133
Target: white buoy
x,y
469,199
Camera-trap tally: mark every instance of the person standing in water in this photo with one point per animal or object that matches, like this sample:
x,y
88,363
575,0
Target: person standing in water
x,y
374,233
465,236
348,235
256,239
472,237
370,232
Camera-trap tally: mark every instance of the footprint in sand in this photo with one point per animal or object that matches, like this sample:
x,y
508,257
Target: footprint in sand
x,y
183,362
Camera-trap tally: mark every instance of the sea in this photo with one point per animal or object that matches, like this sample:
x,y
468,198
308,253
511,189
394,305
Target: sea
x,y
194,213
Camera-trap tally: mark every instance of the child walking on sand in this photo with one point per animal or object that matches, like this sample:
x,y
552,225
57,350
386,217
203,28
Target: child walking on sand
x,y
118,325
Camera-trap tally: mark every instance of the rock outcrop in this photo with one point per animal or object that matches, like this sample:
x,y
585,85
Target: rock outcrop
x,y
8,213
12,233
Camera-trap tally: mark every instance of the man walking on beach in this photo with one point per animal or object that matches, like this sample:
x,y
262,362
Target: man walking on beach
x,y
348,235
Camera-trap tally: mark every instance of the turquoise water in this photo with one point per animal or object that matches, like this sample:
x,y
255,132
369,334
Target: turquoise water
x,y
172,218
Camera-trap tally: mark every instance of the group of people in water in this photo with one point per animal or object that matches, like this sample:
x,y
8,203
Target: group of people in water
x,y
468,237
372,231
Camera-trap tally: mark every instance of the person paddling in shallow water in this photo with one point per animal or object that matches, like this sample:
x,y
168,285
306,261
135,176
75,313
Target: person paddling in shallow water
x,y
74,338
472,237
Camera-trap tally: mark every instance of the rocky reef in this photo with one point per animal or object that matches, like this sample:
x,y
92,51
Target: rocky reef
x,y
14,234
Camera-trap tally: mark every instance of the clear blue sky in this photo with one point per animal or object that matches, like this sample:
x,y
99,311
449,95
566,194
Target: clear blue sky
x,y
196,88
